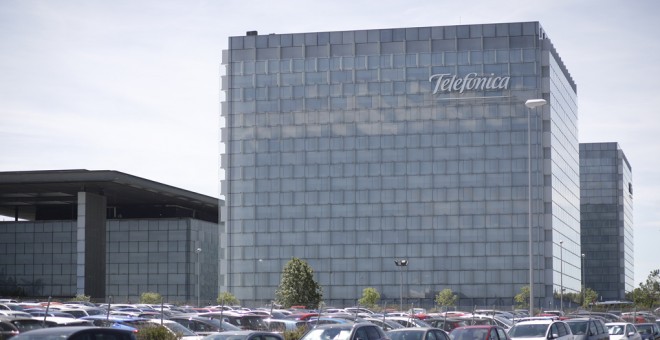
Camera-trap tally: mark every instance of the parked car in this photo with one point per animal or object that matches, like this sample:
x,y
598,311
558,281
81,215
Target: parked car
x,y
204,326
7,330
62,333
623,331
408,321
242,320
361,330
418,333
23,324
479,332
177,329
244,335
386,325
648,331
115,321
282,325
638,317
541,330
588,329
56,321
446,324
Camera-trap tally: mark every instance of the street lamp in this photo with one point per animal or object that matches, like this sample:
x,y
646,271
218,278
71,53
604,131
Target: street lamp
x,y
530,104
561,275
584,285
197,251
401,264
256,281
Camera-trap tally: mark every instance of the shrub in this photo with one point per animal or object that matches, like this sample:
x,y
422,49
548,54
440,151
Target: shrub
x,y
155,332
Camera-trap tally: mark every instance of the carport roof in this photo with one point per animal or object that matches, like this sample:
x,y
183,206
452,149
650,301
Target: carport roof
x,y
61,187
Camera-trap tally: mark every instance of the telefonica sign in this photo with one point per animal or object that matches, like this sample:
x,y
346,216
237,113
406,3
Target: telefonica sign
x,y
445,82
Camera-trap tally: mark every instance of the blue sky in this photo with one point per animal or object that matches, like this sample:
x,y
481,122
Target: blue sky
x,y
133,86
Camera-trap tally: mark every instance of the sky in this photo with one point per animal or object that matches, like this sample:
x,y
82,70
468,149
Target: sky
x,y
134,86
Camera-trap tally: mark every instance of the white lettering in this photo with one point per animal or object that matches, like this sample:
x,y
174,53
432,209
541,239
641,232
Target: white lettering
x,y
445,82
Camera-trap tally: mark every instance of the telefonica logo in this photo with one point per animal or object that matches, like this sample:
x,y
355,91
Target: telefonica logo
x,y
445,82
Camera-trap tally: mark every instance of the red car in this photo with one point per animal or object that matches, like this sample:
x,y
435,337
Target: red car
x,y
479,332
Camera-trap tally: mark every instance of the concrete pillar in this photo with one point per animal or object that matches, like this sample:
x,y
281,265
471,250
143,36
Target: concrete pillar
x,y
91,244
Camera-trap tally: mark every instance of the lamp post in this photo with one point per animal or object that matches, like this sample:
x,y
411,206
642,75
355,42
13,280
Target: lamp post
x,y
584,285
256,281
530,104
401,264
561,275
197,251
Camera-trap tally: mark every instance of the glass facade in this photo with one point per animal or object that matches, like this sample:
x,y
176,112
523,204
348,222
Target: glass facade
x,y
143,255
606,217
353,149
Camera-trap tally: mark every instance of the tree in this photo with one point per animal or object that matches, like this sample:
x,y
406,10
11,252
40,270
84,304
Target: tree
x,y
150,298
446,297
370,297
522,298
590,296
227,298
647,294
297,286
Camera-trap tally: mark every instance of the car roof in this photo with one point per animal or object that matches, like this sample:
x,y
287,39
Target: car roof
x,y
67,331
413,329
536,322
477,326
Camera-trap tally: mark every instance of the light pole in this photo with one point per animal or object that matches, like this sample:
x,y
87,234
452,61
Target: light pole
x,y
561,275
256,281
584,285
530,104
197,251
401,264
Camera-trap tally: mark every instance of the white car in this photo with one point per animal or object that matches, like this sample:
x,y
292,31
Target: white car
x,y
623,331
541,330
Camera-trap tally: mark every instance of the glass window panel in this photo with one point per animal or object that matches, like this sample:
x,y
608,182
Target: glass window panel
x,y
298,65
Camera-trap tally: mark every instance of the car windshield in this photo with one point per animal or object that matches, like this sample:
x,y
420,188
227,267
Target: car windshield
x,y
468,334
27,325
528,331
407,335
327,334
648,329
179,329
578,328
615,330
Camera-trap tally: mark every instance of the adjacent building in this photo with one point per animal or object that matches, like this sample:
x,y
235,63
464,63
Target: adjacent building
x,y
355,149
606,210
105,234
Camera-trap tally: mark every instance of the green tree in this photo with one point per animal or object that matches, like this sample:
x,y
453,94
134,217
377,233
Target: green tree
x,y
297,286
590,296
646,296
150,298
522,298
446,297
370,297
227,299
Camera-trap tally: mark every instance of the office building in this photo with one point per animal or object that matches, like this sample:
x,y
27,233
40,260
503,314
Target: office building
x,y
606,216
105,234
354,149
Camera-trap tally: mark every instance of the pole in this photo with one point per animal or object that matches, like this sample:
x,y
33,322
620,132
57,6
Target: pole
x,y
529,213
197,251
401,264
530,104
401,289
561,276
584,286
